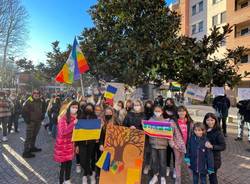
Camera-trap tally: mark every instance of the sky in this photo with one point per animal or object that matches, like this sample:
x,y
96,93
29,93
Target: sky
x,y
51,20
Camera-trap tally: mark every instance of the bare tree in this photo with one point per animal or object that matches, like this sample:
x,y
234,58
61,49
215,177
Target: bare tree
x,y
118,138
13,30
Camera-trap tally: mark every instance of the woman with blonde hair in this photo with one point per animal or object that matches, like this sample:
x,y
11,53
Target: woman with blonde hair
x,y
134,118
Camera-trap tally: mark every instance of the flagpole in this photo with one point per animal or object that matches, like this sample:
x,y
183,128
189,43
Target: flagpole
x,y
82,88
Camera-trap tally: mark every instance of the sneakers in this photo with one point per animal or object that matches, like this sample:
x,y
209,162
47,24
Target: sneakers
x,y
238,139
28,155
92,178
78,169
163,180
4,139
35,149
84,180
67,182
146,169
174,174
154,180
168,171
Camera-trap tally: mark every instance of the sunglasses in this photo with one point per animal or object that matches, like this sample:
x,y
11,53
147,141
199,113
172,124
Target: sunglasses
x,y
36,93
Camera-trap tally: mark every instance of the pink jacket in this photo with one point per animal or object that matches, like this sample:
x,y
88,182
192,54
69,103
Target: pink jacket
x,y
177,141
64,147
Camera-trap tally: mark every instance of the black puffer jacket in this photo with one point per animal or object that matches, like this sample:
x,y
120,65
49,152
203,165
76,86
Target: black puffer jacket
x,y
216,138
244,109
134,119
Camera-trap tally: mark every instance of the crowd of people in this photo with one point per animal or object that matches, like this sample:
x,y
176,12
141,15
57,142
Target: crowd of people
x,y
198,145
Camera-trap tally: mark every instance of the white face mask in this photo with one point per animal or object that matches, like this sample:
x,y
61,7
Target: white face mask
x,y
73,110
157,114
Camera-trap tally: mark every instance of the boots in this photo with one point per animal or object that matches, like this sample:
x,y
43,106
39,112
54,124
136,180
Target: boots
x,y
28,154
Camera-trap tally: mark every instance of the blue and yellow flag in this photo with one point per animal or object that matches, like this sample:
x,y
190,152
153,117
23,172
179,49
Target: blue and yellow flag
x,y
110,92
87,129
104,161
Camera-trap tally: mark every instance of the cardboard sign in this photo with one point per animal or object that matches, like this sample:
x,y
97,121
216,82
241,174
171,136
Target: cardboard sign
x,y
126,147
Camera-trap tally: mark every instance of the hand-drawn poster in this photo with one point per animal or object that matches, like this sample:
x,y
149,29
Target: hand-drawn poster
x,y
195,92
126,147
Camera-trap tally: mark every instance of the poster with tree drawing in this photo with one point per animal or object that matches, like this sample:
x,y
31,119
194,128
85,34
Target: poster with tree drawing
x,y
127,149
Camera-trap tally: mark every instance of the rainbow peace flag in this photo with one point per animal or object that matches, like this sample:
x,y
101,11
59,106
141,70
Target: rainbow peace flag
x,y
158,129
87,129
75,65
110,92
175,86
104,161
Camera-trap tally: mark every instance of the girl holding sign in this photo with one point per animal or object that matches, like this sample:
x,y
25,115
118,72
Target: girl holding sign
x,y
158,150
85,149
182,133
64,147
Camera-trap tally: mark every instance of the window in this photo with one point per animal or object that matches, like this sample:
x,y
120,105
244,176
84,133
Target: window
x,y
201,6
244,31
201,26
223,17
215,20
244,4
216,1
194,29
194,9
244,59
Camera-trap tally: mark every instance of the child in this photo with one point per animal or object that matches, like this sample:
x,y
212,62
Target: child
x,y
216,143
64,147
85,149
158,150
182,133
199,158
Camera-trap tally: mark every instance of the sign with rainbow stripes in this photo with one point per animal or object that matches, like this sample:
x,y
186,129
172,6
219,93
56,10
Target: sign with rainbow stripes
x,y
159,129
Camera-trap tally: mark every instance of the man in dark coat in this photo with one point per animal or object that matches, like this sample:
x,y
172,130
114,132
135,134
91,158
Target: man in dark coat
x,y
33,113
244,112
221,104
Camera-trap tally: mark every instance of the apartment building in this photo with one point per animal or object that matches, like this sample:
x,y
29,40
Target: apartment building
x,y
238,12
199,16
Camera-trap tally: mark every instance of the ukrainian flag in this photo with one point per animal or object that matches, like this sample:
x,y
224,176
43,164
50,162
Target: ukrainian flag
x,y
87,129
110,92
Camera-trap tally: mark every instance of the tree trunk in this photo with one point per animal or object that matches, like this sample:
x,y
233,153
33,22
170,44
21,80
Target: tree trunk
x,y
118,155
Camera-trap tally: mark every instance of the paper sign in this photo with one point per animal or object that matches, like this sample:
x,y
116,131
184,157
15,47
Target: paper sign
x,y
218,91
243,94
195,92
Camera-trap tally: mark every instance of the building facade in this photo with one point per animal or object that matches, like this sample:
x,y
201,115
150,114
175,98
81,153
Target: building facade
x,y
199,16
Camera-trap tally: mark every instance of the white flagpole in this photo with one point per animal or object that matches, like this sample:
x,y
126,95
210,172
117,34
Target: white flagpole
x,y
82,88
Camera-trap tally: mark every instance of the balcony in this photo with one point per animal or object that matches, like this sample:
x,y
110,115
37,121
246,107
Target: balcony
x,y
241,4
238,11
240,36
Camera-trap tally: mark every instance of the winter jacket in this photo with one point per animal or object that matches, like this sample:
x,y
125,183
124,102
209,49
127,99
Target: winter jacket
x,y
54,112
221,104
64,147
33,110
217,139
158,143
5,108
198,156
178,140
244,109
134,119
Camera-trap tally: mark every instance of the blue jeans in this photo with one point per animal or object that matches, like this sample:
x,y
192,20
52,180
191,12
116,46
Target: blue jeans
x,y
199,176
